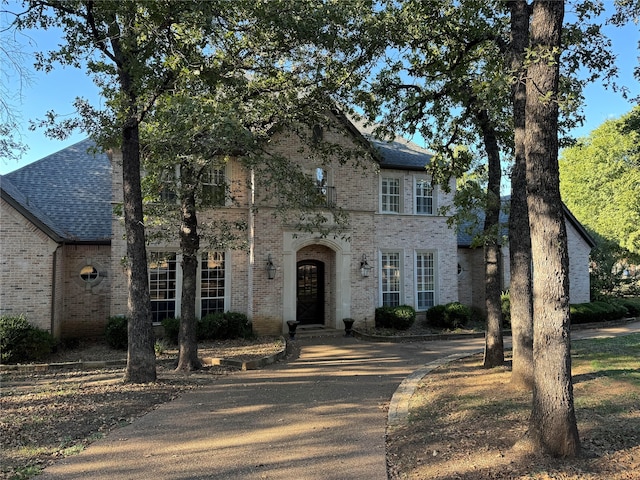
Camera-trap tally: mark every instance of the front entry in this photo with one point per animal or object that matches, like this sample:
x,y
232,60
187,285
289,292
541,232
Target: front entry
x,y
310,292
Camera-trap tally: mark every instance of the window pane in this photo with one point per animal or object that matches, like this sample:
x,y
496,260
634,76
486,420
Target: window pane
x,y
391,195
424,197
425,280
214,186
162,285
390,279
212,283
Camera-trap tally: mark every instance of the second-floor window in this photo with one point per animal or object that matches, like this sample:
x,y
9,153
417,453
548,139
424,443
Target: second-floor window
x,y
390,195
424,197
214,186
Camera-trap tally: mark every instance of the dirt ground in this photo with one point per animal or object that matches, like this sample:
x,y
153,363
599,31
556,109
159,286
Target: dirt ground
x,y
47,415
465,421
463,425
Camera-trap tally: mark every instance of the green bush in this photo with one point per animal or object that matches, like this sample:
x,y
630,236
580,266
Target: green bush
x,y
398,318
457,314
450,316
223,326
116,334
632,305
505,302
435,316
171,328
600,311
22,342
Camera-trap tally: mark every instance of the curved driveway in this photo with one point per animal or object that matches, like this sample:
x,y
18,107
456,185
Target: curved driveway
x,y
321,416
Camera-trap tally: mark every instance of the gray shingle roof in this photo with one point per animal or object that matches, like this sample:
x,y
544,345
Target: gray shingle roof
x,y
69,190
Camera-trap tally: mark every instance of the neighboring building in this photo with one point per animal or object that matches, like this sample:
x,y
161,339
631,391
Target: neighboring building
x,y
63,249
471,260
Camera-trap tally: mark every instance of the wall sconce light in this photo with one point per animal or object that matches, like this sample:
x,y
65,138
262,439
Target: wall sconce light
x,y
365,268
271,268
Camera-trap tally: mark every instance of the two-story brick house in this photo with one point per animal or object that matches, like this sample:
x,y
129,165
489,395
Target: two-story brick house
x,y
63,248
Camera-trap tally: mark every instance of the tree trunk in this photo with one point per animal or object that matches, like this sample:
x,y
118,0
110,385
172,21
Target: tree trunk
x,y
189,244
494,347
520,294
552,427
141,358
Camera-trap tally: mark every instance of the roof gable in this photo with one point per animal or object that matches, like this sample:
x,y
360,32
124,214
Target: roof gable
x,y
71,189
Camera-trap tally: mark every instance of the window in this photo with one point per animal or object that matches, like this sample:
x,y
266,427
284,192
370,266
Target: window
x,y
162,285
425,280
424,197
89,274
168,187
327,192
390,195
212,283
165,284
391,279
214,186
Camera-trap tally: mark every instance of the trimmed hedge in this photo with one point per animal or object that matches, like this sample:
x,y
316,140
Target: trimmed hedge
x,y
603,311
452,315
22,342
398,318
215,326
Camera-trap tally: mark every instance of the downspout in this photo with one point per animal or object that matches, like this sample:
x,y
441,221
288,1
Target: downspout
x,y
251,241
54,272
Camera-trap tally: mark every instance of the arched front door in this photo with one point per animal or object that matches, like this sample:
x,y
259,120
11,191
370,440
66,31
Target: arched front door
x,y
310,292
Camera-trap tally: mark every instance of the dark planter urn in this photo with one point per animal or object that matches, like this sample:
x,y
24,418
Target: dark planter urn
x,y
292,328
348,327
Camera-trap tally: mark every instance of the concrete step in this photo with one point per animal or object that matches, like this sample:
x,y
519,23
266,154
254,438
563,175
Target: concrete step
x,y
306,331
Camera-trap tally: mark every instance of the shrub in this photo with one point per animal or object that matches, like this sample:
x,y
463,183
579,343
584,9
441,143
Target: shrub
x,y
398,318
452,315
115,332
20,341
600,311
632,305
171,328
457,314
436,316
223,326
505,302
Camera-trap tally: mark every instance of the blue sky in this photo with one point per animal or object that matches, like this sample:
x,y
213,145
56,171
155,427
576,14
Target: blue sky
x,y
57,90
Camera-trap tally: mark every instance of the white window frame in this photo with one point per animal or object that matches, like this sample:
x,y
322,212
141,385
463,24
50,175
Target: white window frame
x,y
226,168
417,180
225,280
384,205
178,281
418,281
383,271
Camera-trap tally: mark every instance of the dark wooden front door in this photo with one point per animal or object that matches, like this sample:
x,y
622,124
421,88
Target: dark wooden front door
x,y
310,292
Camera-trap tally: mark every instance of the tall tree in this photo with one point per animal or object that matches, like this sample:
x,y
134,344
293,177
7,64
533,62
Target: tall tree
x,y
600,180
552,426
519,235
136,51
452,93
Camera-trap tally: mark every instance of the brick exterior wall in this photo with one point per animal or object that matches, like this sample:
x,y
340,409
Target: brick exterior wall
x,y
86,303
270,303
26,270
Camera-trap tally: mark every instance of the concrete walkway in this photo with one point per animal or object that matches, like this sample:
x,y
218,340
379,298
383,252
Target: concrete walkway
x,y
321,416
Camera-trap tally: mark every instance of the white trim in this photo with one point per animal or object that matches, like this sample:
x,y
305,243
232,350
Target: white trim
x,y
434,196
397,176
436,269
401,266
292,242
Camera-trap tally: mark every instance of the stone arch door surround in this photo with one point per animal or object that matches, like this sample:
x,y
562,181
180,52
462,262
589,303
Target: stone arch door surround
x,y
292,243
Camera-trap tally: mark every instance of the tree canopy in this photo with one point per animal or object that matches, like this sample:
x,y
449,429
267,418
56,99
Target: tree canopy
x,y
600,180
